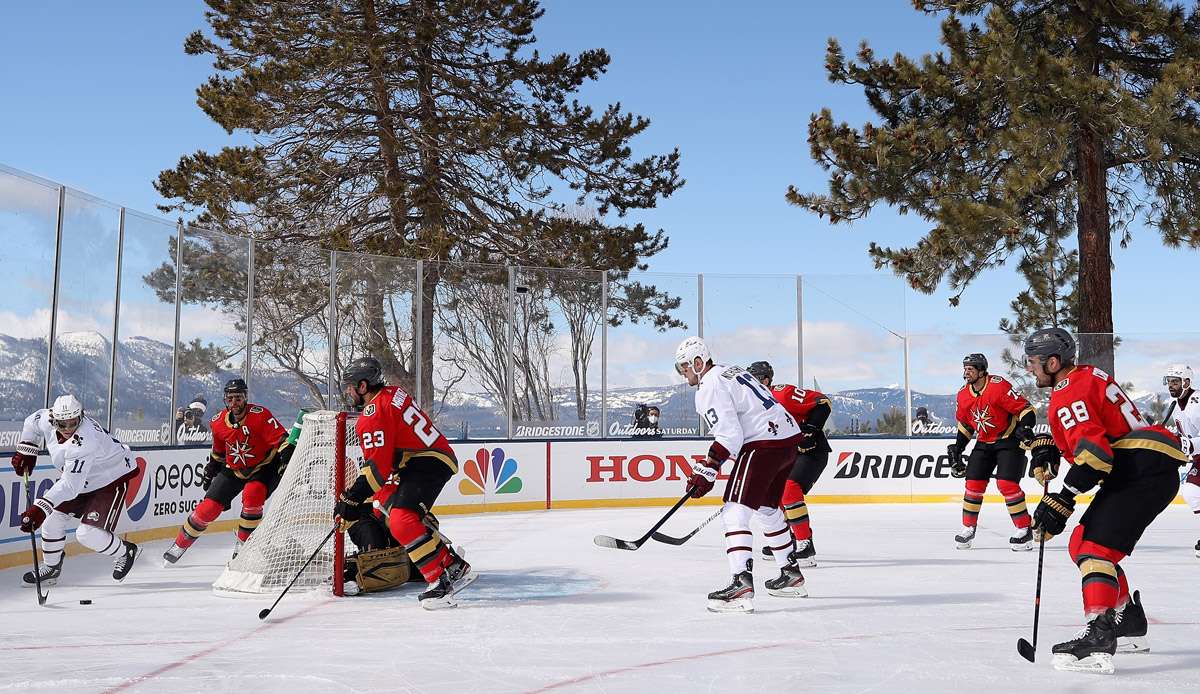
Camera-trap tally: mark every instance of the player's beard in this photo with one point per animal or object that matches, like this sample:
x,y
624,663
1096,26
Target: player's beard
x,y
1044,380
238,410
1175,391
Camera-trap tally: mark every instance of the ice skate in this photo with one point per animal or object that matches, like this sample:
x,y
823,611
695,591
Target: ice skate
x,y
1092,648
1131,627
440,595
805,554
790,582
49,574
738,596
124,562
173,554
1021,540
964,539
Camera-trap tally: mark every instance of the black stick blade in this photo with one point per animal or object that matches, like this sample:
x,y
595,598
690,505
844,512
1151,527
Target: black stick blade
x,y
263,614
1025,649
614,543
667,539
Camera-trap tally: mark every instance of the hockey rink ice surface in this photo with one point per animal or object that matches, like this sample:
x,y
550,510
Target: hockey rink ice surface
x,y
893,607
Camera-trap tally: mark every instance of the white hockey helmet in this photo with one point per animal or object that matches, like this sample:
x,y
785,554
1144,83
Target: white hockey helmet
x,y
66,412
1180,371
688,350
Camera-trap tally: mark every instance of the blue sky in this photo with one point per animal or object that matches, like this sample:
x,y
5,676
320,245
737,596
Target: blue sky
x,y
100,96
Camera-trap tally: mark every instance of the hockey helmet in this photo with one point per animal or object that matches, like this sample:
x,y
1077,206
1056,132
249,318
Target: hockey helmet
x,y
1181,371
363,369
761,370
1051,342
236,385
688,350
976,360
66,412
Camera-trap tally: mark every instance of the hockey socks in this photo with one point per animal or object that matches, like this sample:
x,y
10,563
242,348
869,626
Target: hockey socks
x,y
973,501
254,497
1014,498
1104,583
195,525
424,545
795,510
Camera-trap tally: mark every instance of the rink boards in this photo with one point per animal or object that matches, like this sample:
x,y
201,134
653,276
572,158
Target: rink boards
x,y
528,475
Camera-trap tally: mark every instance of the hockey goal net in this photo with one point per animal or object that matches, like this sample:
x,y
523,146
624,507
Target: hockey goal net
x,y
299,516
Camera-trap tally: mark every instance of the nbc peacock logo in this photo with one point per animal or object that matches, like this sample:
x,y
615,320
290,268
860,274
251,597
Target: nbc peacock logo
x,y
503,473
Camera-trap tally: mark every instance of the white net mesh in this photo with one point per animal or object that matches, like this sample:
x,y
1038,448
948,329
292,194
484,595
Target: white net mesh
x,y
298,516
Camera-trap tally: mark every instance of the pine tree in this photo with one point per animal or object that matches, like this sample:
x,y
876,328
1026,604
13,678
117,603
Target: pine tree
x,y
1037,118
429,129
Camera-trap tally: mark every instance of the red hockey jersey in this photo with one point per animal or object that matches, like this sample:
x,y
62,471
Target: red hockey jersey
x,y
799,402
991,413
244,446
391,430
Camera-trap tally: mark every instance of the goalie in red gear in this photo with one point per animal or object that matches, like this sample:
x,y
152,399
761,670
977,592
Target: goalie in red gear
x,y
249,454
1000,419
406,457
811,409
1100,432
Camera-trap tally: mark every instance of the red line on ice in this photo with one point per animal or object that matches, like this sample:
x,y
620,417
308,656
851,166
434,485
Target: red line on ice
x,y
102,644
656,663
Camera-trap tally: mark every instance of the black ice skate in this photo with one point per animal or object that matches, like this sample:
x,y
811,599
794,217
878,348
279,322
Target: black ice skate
x,y
441,594
125,561
1131,627
738,596
173,554
1021,540
806,554
1092,648
964,539
49,574
790,583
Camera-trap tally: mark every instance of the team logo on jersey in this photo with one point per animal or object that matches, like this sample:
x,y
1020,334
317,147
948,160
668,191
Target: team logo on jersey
x,y
773,428
369,410
93,516
240,455
1062,384
983,419
136,505
503,473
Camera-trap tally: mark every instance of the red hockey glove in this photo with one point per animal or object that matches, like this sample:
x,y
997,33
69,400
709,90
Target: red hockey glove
x,y
35,515
703,477
23,463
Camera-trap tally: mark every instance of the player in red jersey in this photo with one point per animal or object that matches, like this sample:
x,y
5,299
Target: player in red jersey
x,y
811,409
250,451
1098,429
990,410
406,463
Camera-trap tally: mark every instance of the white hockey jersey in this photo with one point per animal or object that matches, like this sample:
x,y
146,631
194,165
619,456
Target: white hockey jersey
x,y
88,460
741,412
1185,419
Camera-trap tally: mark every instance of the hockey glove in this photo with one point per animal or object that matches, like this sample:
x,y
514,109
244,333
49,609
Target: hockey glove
x,y
285,457
703,477
35,515
210,471
348,509
1044,459
24,460
1051,516
1189,445
1025,435
958,468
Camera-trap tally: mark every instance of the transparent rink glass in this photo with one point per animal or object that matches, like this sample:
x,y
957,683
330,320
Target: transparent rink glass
x,y
749,318
86,301
212,325
375,315
470,347
28,227
641,351
290,352
1141,361
146,327
853,349
557,360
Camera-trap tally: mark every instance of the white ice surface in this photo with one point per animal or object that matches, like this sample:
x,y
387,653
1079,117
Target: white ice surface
x,y
893,608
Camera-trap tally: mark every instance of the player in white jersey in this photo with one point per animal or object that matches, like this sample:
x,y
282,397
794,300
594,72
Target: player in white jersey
x,y
95,471
751,428
1185,420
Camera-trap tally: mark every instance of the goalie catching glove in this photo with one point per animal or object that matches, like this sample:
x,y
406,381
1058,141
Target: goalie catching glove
x,y
1051,516
1044,459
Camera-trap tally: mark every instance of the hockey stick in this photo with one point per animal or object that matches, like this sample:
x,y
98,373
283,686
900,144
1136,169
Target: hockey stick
x,y
263,614
614,543
1029,650
680,540
37,569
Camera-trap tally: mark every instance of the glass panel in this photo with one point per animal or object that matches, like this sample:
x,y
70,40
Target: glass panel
x,y
28,225
935,368
854,350
212,322
1141,361
470,363
87,297
142,411
653,313
557,362
752,318
291,328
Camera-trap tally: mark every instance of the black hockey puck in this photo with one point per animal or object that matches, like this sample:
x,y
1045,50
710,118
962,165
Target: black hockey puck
x,y
85,602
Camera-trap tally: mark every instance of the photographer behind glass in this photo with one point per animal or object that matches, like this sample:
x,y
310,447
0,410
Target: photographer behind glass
x,y
645,422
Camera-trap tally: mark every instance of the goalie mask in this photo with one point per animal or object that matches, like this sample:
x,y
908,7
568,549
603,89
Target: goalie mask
x,y
1178,379
66,414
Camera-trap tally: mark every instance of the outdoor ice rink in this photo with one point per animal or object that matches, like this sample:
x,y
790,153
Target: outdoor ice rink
x,y
894,607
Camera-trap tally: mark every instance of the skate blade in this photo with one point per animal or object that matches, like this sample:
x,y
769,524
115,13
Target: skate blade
x,y
736,606
790,592
962,545
45,582
1133,644
1096,663
809,563
1022,547
463,582
439,603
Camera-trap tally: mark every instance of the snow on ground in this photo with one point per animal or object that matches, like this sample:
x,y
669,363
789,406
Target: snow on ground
x,y
893,607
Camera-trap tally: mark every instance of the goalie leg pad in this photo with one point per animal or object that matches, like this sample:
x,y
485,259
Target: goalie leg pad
x,y
383,569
